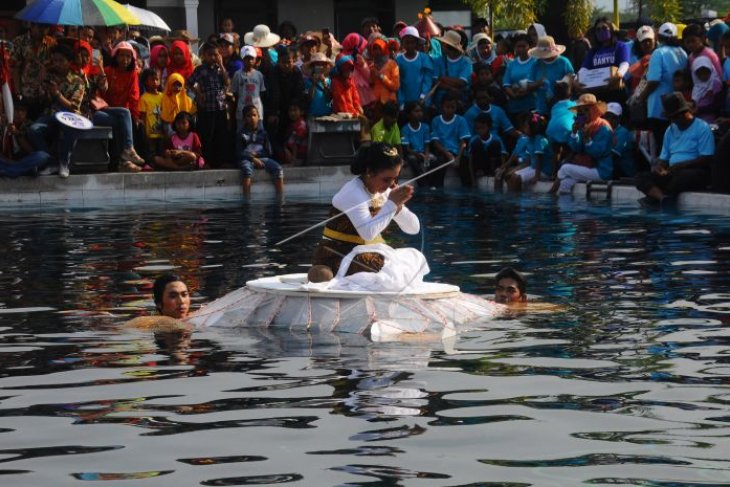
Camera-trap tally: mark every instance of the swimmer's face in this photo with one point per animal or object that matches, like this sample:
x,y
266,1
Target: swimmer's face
x,y
508,291
175,300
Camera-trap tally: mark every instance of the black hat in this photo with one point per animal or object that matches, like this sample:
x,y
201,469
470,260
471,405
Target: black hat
x,y
674,104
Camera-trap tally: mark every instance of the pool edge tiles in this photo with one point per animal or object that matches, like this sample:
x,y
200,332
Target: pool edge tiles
x,y
222,184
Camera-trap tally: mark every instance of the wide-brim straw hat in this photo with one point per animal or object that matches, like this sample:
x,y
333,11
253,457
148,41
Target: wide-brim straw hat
x,y
261,36
546,48
182,35
452,39
589,100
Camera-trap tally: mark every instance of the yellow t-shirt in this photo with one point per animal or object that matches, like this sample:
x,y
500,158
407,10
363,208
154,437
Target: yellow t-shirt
x,y
151,105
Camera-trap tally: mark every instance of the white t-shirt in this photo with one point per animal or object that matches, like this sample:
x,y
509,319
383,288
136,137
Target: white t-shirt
x,y
248,88
354,199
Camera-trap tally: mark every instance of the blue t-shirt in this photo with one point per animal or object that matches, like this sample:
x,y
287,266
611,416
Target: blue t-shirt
x,y
726,70
551,72
522,148
663,63
460,68
321,104
500,121
690,143
416,77
599,147
451,133
561,122
540,146
415,139
518,70
493,139
623,147
602,57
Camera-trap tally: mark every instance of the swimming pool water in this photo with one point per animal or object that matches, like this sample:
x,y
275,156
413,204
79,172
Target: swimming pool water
x,y
628,385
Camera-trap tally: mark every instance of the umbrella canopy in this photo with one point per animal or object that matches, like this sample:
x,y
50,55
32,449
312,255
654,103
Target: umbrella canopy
x,y
77,12
147,18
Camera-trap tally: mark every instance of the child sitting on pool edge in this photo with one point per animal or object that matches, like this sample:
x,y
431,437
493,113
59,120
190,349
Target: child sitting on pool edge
x,y
256,152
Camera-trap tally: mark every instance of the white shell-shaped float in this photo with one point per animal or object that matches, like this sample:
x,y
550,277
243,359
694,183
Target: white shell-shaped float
x,y
287,301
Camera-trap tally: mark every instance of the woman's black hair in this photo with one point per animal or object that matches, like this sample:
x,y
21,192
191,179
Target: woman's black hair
x,y
410,106
158,288
694,30
247,109
184,116
64,51
520,38
376,157
483,119
145,75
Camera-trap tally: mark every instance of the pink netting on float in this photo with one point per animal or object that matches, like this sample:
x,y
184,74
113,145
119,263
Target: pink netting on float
x,y
312,311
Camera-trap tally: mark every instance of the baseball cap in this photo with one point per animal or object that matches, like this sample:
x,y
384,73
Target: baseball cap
x,y
226,37
409,31
645,32
668,29
615,108
248,51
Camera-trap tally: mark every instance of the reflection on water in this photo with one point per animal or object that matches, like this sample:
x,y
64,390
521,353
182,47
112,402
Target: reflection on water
x,y
627,386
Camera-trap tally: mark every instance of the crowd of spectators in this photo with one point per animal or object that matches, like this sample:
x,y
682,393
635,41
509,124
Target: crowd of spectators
x,y
521,108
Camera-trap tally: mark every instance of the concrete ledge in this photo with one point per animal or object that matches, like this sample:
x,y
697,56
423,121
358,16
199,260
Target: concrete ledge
x,y
312,181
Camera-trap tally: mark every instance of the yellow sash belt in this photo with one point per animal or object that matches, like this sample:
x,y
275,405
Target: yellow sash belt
x,y
346,237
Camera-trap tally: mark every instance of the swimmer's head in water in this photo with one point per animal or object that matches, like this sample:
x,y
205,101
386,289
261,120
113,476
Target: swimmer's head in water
x,y
172,297
510,286
320,273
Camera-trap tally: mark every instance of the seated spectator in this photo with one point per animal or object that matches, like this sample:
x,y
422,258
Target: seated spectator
x,y
386,129
519,158
416,140
540,156
175,100
624,145
296,146
345,97
449,137
684,162
591,143
19,158
183,151
562,118
501,124
318,85
486,152
256,152
64,92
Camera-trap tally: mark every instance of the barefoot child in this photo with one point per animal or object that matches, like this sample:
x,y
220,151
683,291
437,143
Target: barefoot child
x,y
183,147
256,152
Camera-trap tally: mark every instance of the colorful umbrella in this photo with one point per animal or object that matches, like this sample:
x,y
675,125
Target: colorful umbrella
x,y
77,12
147,18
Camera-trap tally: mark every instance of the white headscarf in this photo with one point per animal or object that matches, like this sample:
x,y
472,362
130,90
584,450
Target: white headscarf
x,y
702,88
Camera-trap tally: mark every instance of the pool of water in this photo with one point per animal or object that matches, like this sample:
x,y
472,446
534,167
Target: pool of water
x,y
628,385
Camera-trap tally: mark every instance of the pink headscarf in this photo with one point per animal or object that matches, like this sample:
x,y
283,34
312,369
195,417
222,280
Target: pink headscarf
x,y
125,46
354,43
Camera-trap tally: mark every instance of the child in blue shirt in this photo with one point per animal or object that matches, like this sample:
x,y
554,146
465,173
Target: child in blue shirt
x,y
549,67
501,124
256,151
415,140
623,143
486,152
540,155
516,78
415,67
454,71
449,136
